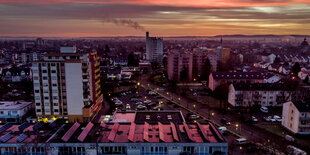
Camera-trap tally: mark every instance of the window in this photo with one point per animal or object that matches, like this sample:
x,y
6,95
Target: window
x,y
35,78
37,91
38,104
53,71
52,64
44,78
44,71
56,110
55,104
38,110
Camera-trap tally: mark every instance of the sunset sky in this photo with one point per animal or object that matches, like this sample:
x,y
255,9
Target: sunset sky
x,y
93,18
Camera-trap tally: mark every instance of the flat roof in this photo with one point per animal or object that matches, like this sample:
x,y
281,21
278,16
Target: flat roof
x,y
139,117
13,105
115,132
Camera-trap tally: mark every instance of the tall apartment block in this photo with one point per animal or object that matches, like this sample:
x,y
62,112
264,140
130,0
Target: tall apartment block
x,y
154,49
67,85
193,61
177,62
223,54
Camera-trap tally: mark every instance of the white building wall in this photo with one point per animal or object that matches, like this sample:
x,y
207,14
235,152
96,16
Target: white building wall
x,y
74,87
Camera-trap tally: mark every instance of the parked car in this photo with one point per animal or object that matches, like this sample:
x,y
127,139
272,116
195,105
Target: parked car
x,y
254,119
147,101
141,107
277,118
267,119
289,138
264,109
139,103
193,117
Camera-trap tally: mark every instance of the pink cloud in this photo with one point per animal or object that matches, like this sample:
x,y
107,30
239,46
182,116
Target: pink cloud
x,y
177,3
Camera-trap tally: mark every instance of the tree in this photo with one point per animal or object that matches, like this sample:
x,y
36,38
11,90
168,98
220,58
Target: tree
x,y
183,74
296,68
206,69
165,62
221,67
132,61
154,65
221,93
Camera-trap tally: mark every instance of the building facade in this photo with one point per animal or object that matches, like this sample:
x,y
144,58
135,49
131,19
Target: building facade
x,y
296,117
14,111
67,85
218,78
180,62
154,49
258,94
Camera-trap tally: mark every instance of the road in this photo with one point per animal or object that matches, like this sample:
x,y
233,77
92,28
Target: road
x,y
241,129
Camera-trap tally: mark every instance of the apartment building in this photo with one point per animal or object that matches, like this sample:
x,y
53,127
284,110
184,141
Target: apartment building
x,y
178,62
296,117
67,85
218,78
14,111
259,94
193,61
154,49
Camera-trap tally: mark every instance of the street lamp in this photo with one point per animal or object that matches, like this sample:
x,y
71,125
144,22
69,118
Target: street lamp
x,y
179,99
212,114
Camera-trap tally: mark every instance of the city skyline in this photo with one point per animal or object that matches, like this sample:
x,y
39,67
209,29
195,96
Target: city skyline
x,y
81,18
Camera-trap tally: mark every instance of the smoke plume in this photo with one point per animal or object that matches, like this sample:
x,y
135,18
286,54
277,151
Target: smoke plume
x,y
124,22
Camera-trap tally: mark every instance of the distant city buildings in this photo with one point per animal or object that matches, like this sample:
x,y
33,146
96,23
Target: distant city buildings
x,y
296,117
67,85
222,54
154,49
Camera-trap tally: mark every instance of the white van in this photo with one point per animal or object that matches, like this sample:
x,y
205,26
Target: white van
x,y
241,141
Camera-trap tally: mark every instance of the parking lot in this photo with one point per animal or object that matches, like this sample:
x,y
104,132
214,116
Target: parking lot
x,y
141,99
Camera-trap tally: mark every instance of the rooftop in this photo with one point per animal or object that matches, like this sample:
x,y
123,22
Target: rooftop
x,y
112,132
237,75
13,105
139,117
